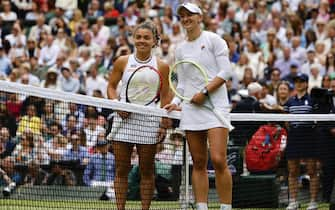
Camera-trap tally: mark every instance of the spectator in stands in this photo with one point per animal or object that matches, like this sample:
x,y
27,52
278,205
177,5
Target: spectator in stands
x,y
25,71
7,14
90,47
30,121
13,105
8,165
32,11
6,181
77,152
67,82
100,170
92,130
60,176
284,64
51,80
49,52
283,94
48,116
294,69
7,144
301,148
75,109
7,120
93,10
35,175
16,39
5,62
110,11
57,147
70,126
36,30
315,78
86,58
95,82
32,50
24,150
274,81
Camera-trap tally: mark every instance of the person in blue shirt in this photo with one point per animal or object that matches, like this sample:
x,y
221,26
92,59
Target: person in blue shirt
x,y
5,63
76,152
302,143
100,170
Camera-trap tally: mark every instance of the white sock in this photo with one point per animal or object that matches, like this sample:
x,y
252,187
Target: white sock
x,y
225,206
202,206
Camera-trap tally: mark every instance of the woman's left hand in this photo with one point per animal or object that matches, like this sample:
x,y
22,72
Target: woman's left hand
x,y
198,99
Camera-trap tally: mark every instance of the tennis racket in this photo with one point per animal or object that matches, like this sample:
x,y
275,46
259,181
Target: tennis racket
x,y
143,88
195,78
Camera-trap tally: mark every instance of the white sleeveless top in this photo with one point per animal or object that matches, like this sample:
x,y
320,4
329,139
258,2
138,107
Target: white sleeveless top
x,y
137,128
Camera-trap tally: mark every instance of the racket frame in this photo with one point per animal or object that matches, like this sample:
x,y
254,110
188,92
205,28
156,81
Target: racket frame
x,y
156,98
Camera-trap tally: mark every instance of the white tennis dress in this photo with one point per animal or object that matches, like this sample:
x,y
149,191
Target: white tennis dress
x,y
211,52
137,128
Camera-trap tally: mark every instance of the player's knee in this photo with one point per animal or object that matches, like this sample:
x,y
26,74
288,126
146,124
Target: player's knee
x,y
219,163
199,164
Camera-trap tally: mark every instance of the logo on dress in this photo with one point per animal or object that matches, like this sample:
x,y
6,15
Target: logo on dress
x,y
202,47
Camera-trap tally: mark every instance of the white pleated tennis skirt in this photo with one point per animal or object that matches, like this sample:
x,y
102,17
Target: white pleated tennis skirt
x,y
136,129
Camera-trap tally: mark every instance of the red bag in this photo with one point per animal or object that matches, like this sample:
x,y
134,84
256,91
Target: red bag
x,y
266,148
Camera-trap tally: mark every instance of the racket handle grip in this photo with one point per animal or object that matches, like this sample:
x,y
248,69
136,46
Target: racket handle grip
x,y
176,101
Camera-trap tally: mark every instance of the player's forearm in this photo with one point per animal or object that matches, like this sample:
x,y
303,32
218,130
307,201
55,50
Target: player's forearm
x,y
215,84
111,92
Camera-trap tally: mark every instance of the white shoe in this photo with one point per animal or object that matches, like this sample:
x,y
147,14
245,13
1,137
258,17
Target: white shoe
x,y
312,206
293,206
12,186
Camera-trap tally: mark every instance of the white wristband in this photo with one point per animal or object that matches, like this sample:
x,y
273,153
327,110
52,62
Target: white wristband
x,y
176,101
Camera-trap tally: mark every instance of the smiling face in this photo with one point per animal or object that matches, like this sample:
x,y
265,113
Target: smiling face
x,y
189,20
144,40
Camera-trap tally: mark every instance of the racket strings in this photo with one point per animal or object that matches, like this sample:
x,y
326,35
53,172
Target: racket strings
x,y
144,86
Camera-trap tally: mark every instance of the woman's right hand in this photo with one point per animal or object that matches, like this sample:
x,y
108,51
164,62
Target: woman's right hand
x,y
123,114
172,107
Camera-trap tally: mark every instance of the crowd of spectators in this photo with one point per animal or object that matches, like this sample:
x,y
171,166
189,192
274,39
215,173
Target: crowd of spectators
x,y
71,46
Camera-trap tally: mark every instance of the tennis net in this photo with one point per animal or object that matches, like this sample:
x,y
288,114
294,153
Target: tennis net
x,y
53,146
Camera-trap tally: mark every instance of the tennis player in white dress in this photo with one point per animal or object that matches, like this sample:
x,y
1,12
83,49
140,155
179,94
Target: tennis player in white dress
x,y
211,52
136,129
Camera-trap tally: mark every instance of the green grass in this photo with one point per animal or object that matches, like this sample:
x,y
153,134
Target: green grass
x,y
11,204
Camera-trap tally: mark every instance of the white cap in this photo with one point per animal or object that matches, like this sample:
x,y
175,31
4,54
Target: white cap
x,y
254,87
193,8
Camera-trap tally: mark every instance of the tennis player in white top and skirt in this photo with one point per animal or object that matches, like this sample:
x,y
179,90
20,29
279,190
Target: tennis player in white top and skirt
x,y
133,130
211,52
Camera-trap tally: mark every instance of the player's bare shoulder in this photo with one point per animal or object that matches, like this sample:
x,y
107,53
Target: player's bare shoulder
x,y
121,62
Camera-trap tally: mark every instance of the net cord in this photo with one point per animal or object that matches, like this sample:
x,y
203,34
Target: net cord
x,y
107,103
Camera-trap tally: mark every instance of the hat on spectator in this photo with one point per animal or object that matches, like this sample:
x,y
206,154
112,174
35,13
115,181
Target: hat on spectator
x,y
101,143
320,20
193,8
152,13
52,70
301,76
272,31
311,49
65,68
316,66
254,87
294,64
